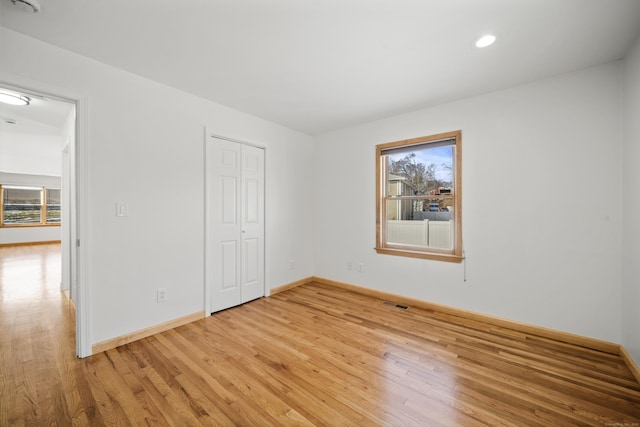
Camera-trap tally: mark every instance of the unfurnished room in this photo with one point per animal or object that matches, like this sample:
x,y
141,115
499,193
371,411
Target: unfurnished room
x,y
320,213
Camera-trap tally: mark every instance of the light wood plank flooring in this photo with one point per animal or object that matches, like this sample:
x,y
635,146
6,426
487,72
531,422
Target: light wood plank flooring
x,y
313,355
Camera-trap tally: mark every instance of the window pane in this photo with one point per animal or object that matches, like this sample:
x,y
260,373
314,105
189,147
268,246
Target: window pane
x,y
408,224
21,205
424,170
53,196
426,173
399,209
53,205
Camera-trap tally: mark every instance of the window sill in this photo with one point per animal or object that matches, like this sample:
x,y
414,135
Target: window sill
x,y
28,225
422,255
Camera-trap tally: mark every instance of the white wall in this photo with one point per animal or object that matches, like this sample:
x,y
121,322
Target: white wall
x,y
541,205
10,236
631,206
34,154
145,147
29,179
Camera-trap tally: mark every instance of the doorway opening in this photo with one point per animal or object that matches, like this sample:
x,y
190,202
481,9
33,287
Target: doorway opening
x,y
39,142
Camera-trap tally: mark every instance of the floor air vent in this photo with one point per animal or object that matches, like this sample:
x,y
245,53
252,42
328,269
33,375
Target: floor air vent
x,y
396,305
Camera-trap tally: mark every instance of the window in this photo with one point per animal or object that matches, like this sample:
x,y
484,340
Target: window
x,y
418,197
29,206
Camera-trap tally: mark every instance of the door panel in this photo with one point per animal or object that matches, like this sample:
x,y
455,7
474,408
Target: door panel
x,y
251,200
228,202
252,222
252,160
228,266
251,260
223,224
229,157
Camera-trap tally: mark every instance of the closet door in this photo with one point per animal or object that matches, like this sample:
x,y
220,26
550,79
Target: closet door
x,y
234,223
252,226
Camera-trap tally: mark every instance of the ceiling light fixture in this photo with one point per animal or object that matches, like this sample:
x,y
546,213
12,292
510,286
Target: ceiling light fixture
x,y
484,41
14,99
28,5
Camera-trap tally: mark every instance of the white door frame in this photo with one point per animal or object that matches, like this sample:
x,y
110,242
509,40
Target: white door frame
x,y
207,289
83,301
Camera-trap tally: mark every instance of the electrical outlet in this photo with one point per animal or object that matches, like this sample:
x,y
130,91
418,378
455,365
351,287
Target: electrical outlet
x,y
292,265
360,267
350,266
161,293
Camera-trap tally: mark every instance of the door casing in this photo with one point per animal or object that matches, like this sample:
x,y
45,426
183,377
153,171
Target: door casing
x,y
78,169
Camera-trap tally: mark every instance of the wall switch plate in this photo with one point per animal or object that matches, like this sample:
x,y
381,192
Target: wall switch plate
x,y
122,209
162,294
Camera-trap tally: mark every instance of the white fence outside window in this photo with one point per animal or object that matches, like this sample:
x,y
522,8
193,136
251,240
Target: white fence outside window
x,y
434,234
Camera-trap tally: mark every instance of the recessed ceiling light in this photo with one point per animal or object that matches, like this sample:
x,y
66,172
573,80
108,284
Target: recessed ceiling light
x,y
14,99
484,41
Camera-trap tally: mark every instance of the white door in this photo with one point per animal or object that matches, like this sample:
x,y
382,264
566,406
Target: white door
x,y
235,223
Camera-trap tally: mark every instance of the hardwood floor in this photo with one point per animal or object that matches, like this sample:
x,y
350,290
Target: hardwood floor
x,y
312,355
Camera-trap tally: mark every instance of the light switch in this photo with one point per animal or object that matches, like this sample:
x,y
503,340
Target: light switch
x,y
122,209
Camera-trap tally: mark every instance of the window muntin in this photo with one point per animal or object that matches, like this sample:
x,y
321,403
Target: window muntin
x,y
418,197
29,206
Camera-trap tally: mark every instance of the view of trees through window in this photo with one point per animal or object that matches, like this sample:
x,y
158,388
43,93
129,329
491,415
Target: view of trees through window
x,y
423,172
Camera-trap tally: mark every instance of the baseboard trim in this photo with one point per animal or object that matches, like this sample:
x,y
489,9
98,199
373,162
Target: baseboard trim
x,y
631,364
67,296
291,285
539,331
146,332
45,242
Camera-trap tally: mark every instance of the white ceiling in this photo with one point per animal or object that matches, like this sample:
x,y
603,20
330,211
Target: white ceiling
x,y
43,116
320,65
